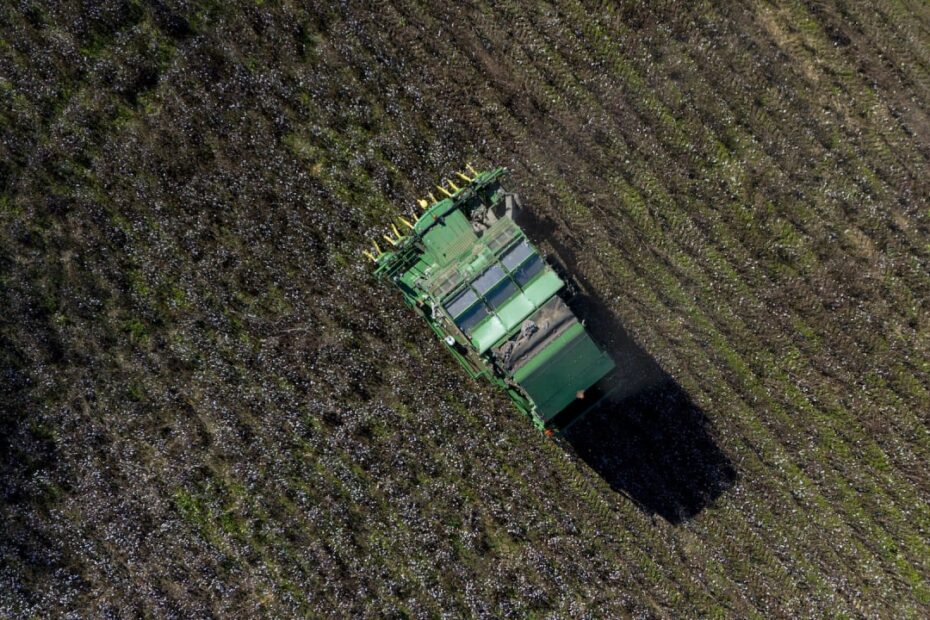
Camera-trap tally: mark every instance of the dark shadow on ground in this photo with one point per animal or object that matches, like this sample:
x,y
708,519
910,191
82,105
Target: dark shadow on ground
x,y
648,439
30,554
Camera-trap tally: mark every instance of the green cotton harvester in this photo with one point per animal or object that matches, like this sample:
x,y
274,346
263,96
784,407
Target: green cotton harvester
x,y
469,270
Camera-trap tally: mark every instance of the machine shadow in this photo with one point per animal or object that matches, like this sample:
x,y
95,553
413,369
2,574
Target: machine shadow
x,y
647,439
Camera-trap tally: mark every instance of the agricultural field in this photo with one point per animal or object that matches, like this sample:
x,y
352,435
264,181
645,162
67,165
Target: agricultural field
x,y
209,408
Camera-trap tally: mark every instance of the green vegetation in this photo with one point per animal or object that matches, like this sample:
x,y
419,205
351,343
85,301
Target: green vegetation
x,y
209,407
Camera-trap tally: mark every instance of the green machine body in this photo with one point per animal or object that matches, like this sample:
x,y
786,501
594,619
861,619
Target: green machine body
x,y
468,269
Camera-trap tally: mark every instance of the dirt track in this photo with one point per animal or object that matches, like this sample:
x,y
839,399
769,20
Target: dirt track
x,y
209,408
